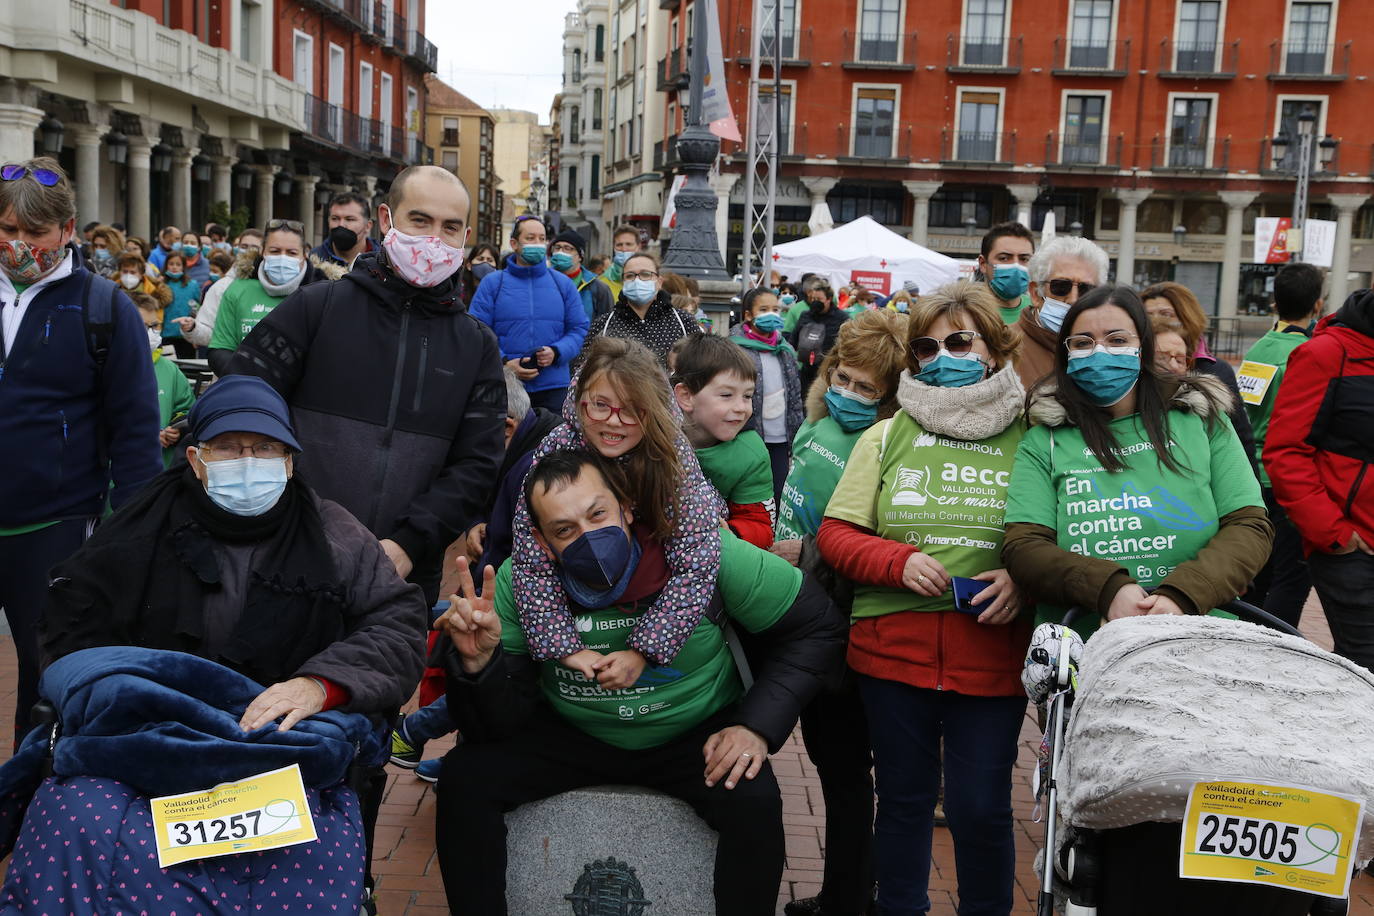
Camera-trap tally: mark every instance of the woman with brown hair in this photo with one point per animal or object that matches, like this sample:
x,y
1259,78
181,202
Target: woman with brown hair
x,y
939,635
106,244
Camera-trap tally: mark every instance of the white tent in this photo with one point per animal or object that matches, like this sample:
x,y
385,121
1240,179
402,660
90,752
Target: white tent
x,y
863,251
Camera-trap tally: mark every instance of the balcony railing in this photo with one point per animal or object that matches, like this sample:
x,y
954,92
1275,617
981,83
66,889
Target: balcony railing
x,y
323,120
1198,60
976,146
1075,150
394,38
1307,60
880,50
366,133
1082,55
1191,156
672,70
991,56
795,46
421,50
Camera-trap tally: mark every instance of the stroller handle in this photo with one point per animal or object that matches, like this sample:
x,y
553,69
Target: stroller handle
x,y
1240,608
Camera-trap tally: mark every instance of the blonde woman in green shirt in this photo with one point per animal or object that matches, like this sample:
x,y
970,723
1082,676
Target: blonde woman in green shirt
x,y
279,271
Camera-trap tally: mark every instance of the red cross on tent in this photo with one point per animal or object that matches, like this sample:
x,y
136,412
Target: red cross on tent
x,y
776,256
883,262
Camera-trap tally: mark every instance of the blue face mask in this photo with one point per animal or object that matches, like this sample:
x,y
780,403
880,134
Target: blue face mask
x,y
245,486
205,249
481,269
561,260
949,371
101,254
621,257
280,269
533,254
1052,313
788,299
1105,377
852,411
768,322
596,568
640,292
1009,281
190,250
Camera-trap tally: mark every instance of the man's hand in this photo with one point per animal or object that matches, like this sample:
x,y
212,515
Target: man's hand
x,y
294,700
471,622
1129,602
522,374
397,557
1157,604
477,534
788,550
620,670
187,324
1356,543
1001,601
924,575
544,356
735,751
169,436
584,660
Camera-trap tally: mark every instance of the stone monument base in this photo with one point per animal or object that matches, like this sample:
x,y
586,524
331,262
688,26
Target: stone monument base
x,y
604,843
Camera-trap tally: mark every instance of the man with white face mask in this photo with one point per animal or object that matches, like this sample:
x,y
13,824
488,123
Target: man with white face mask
x,y
78,406
398,397
1063,270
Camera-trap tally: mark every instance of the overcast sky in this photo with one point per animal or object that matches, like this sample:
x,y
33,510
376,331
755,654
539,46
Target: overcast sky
x,y
499,54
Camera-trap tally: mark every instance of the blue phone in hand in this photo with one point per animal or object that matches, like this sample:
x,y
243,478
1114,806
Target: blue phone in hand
x,y
964,590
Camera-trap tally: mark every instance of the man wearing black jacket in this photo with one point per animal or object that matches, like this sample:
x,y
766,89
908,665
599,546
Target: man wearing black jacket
x,y
396,392
535,729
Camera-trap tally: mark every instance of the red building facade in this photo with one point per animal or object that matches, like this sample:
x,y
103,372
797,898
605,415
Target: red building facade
x,y
1151,124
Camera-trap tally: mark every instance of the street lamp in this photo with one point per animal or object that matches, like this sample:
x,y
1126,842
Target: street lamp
x,y
1180,233
161,158
200,168
1076,229
536,189
285,182
51,140
243,176
117,147
970,225
1326,152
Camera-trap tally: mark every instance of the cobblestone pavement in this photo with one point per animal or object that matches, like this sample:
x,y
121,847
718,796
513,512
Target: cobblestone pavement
x,y
408,875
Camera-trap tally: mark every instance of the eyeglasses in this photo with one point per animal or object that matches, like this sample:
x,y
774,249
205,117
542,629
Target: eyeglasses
x,y
46,177
601,411
642,275
290,225
1060,287
958,343
845,380
227,452
1118,343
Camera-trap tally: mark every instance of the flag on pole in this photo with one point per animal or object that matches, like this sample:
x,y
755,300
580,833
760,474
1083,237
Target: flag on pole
x,y
670,208
715,99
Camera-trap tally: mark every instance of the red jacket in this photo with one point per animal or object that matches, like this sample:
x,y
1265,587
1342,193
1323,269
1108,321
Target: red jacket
x,y
1320,446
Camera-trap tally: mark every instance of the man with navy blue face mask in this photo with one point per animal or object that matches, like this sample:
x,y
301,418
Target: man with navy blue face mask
x,y
1061,272
535,729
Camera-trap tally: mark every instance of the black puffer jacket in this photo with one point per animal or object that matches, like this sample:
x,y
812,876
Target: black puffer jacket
x,y
398,402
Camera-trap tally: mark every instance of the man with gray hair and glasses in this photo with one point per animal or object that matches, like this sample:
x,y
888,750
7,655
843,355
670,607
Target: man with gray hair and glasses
x,y
1062,270
78,403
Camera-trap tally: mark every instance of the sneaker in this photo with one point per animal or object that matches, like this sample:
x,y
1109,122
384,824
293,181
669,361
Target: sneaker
x,y
403,753
428,770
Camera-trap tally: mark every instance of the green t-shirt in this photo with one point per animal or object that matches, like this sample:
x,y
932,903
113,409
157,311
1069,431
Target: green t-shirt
x,y
244,304
1012,314
739,469
1146,518
819,453
174,401
789,321
1259,377
757,589
943,495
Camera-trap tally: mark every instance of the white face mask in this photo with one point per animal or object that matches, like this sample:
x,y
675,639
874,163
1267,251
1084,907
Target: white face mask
x,y
1052,313
155,339
130,280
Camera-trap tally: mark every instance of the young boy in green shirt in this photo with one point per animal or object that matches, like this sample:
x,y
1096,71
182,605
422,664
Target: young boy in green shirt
x,y
713,381
174,395
1282,586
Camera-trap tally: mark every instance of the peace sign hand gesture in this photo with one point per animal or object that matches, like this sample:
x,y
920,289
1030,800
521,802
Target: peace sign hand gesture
x,y
471,621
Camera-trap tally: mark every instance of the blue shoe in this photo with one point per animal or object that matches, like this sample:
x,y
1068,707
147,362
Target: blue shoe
x,y
429,769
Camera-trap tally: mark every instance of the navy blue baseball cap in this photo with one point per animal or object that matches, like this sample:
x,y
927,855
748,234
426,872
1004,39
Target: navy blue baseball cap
x,y
242,404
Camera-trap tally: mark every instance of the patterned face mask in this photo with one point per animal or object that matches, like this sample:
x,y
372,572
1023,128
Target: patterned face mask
x,y
25,263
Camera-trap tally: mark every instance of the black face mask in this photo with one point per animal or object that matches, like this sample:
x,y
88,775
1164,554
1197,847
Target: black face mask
x,y
817,306
342,238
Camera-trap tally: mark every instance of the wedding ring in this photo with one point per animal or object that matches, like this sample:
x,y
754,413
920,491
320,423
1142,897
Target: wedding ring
x,y
920,580
746,755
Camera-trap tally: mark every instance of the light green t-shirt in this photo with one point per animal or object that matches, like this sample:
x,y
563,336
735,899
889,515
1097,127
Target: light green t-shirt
x,y
1259,377
245,303
1146,518
1012,314
945,496
819,453
739,469
174,401
789,321
757,589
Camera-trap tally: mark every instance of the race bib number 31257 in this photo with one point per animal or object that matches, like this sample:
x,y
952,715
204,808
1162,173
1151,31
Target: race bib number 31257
x,y
1285,836
266,811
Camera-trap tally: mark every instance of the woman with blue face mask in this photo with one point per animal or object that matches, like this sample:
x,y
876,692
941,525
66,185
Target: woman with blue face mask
x,y
939,630
644,310
1132,494
279,271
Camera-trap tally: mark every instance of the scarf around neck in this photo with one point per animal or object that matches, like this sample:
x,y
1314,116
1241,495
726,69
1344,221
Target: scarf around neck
x,y
752,340
972,413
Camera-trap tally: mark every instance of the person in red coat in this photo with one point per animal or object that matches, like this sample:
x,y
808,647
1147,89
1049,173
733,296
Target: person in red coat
x,y
1318,453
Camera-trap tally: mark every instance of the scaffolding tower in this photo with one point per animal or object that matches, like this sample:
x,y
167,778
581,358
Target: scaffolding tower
x,y
764,132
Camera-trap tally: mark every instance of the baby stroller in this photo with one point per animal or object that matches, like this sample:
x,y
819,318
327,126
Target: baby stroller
x,y
1152,707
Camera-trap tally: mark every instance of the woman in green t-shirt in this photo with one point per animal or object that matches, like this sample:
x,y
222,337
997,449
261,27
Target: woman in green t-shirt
x,y
1131,494
916,523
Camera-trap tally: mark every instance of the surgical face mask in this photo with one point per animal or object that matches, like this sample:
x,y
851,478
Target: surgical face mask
x,y
245,486
561,260
1105,377
100,254
1052,313
129,281
155,339
640,292
481,269
620,257
533,254
421,260
215,276
1009,281
768,322
281,269
205,250
851,410
949,371
190,250
596,568
25,263
788,299
173,275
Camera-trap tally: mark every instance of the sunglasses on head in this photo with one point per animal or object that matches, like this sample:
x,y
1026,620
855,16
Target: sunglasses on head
x,y
45,177
958,343
1061,287
290,225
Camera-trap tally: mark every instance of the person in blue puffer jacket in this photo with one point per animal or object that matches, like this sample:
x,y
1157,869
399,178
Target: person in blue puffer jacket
x,y
537,315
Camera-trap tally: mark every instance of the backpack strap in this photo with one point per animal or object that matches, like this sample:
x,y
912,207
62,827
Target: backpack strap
x,y
715,612
97,315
